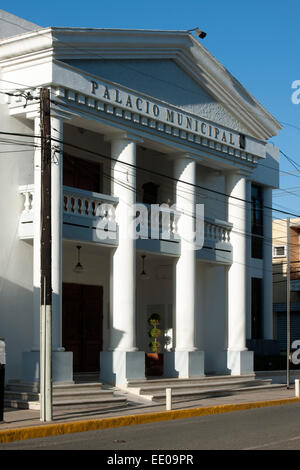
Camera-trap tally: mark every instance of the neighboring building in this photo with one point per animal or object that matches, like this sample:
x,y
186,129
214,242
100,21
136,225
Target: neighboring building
x,y
138,116
280,252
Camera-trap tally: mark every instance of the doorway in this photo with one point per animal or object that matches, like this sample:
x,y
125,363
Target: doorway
x,y
82,318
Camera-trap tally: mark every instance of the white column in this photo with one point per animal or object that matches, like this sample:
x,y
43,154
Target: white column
x,y
185,171
123,335
56,229
267,263
239,359
123,361
188,360
37,236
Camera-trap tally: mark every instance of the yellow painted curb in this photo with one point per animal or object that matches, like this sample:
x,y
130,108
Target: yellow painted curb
x,y
47,430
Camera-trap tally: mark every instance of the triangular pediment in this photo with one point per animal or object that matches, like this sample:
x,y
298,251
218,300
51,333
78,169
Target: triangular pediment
x,y
171,66
164,80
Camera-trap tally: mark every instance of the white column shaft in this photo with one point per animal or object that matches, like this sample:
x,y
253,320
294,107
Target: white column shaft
x,y
123,333
56,229
237,293
185,171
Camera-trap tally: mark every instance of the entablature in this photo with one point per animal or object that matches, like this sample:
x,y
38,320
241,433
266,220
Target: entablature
x,y
121,107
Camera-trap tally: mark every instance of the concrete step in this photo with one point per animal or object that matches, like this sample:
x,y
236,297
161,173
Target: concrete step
x,y
152,389
77,387
167,382
87,402
195,388
85,377
73,395
17,395
100,403
209,393
16,385
26,395
34,386
64,395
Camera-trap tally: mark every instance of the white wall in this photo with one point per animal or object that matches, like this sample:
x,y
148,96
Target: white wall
x,y
211,193
267,170
16,168
211,318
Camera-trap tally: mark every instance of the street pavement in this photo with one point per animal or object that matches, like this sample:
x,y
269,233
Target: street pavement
x,y
18,418
270,428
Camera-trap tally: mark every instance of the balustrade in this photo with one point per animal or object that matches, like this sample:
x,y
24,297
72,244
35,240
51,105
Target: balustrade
x,y
161,221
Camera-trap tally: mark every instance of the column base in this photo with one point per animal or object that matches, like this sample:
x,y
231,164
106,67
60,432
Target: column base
x,y
119,366
216,362
240,362
62,366
184,364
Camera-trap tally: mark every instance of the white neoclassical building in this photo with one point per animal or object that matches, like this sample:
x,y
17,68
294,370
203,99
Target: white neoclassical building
x,y
137,117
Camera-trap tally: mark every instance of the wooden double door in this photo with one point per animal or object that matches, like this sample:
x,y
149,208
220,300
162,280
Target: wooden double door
x,y
82,318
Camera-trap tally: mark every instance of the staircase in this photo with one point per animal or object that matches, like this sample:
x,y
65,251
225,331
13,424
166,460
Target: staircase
x,y
79,395
154,389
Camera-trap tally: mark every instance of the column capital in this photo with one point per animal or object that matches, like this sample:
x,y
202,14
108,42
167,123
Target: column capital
x,y
58,114
123,135
33,114
54,113
184,156
237,172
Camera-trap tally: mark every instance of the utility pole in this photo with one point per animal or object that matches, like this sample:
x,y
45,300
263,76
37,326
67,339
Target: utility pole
x,y
288,305
46,287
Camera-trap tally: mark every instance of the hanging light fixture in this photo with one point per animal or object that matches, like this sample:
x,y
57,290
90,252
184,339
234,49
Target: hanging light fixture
x,y
78,268
143,274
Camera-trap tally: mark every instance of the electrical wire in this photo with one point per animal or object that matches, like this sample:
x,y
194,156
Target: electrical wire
x,y
151,171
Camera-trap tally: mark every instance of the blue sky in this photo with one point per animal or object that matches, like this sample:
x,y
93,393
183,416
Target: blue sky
x,y
257,40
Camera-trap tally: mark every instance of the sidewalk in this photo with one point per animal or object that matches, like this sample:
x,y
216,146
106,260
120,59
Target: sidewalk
x,y
23,424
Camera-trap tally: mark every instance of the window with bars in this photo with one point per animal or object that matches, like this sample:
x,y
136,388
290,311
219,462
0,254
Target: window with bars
x,y
279,251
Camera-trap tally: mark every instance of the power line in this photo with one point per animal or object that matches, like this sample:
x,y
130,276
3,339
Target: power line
x,y
170,178
207,247
16,83
163,176
260,163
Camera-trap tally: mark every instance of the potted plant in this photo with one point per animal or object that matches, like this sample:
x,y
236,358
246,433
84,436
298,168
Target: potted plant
x,y
154,360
